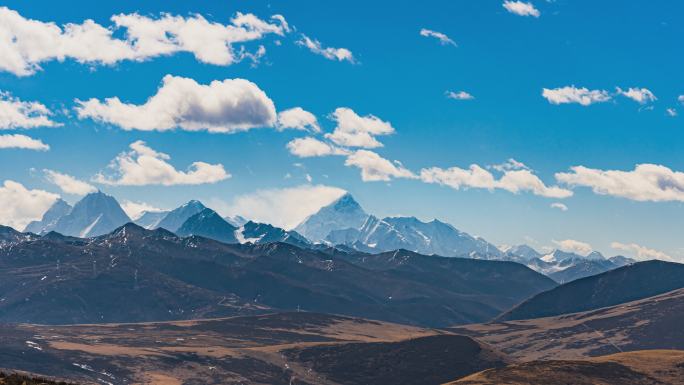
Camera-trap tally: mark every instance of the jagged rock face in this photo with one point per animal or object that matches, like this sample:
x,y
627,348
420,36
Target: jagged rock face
x,y
344,213
58,209
260,233
96,214
175,219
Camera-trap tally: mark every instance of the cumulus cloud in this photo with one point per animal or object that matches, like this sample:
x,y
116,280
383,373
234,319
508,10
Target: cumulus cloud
x,y
572,94
315,46
222,106
312,147
443,38
353,130
573,246
639,95
459,95
26,43
68,183
521,8
559,206
285,207
512,180
143,166
647,182
671,112
19,205
22,142
15,113
641,253
298,119
376,168
135,210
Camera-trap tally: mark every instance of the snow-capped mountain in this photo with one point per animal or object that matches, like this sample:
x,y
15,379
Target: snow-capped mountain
x,y
409,233
564,266
96,214
260,233
521,252
58,209
207,223
344,213
175,219
151,219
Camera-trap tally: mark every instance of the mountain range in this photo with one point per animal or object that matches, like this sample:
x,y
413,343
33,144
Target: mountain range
x,y
133,274
342,224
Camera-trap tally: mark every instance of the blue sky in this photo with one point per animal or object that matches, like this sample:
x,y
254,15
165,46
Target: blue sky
x,y
504,60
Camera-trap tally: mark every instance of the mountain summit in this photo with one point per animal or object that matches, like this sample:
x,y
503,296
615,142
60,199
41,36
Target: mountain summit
x,y
344,213
175,219
58,209
96,214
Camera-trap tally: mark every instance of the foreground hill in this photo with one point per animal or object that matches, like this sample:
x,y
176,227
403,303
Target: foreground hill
x,y
628,283
135,275
637,368
291,348
649,323
23,379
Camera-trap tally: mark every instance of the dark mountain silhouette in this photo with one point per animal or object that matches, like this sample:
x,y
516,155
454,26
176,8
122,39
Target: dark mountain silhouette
x,y
628,283
134,274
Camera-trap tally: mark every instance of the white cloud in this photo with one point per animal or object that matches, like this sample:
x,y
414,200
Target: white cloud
x,y
521,8
311,147
641,253
510,164
222,106
680,99
376,168
19,205
15,113
573,246
23,142
512,180
358,131
135,210
671,112
68,183
572,94
26,43
144,166
315,46
559,206
647,182
639,95
286,207
298,119
443,38
459,95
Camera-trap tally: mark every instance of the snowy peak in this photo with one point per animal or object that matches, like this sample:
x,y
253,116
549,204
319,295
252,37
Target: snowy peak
x,y
151,219
96,214
523,252
412,234
58,209
344,213
177,217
